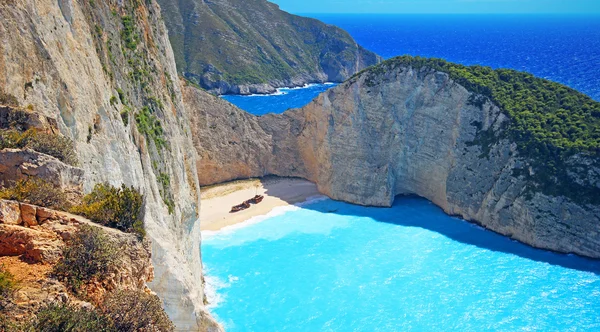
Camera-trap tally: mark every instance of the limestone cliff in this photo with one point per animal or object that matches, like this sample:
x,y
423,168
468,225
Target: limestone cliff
x,y
106,72
401,129
251,46
230,143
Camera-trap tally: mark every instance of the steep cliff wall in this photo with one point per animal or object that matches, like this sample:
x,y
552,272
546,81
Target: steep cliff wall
x,y
230,143
106,72
251,46
401,129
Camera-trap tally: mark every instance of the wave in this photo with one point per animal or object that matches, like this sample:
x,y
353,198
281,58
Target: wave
x,y
212,285
285,90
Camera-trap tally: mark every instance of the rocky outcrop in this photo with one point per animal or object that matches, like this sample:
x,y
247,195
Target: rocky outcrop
x,y
96,67
23,119
38,238
399,131
251,46
16,164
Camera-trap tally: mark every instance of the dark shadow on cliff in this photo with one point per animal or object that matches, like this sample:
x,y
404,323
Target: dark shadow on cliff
x,y
412,211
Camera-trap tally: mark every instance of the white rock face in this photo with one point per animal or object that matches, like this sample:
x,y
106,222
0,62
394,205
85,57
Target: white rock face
x,y
67,59
16,164
412,132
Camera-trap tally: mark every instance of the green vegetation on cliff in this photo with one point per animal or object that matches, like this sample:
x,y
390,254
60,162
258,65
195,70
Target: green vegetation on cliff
x,y
36,191
549,122
18,131
90,254
57,146
252,41
8,286
119,208
121,311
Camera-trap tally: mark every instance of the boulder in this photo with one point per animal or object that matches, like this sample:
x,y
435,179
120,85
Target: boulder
x,y
17,164
28,214
44,214
10,213
35,245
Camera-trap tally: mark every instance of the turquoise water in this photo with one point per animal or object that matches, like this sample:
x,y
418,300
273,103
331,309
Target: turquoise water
x,y
331,266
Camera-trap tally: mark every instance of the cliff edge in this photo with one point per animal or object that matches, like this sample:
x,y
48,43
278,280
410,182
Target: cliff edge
x,y
251,46
514,153
105,72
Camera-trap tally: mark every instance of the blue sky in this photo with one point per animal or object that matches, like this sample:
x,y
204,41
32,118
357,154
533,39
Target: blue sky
x,y
440,6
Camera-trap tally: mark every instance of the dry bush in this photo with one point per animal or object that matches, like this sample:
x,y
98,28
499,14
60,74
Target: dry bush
x,y
37,192
8,287
90,254
60,147
137,311
64,318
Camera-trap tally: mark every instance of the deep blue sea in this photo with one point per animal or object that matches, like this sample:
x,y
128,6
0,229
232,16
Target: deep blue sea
x,y
279,102
332,266
562,48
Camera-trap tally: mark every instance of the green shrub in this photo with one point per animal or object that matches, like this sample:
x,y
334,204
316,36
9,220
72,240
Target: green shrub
x,y
65,318
37,192
56,146
137,311
149,125
122,96
122,311
89,254
8,99
128,34
118,208
165,184
157,103
125,115
113,100
7,287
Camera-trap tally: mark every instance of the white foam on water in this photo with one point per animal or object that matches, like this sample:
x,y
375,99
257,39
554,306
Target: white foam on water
x,y
285,90
212,286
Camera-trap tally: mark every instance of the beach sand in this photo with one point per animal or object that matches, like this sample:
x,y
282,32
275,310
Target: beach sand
x,y
217,200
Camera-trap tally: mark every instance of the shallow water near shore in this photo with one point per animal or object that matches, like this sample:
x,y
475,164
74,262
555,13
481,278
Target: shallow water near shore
x,y
332,266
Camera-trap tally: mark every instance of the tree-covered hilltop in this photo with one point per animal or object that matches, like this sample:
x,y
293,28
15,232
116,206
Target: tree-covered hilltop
x,y
219,44
549,122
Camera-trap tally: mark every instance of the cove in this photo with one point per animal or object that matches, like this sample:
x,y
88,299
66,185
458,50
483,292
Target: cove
x,y
279,102
332,266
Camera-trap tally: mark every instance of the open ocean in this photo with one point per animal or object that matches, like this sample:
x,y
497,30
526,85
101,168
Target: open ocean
x,y
332,266
565,49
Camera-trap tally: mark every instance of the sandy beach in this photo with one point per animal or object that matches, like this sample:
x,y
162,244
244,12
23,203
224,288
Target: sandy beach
x,y
217,200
